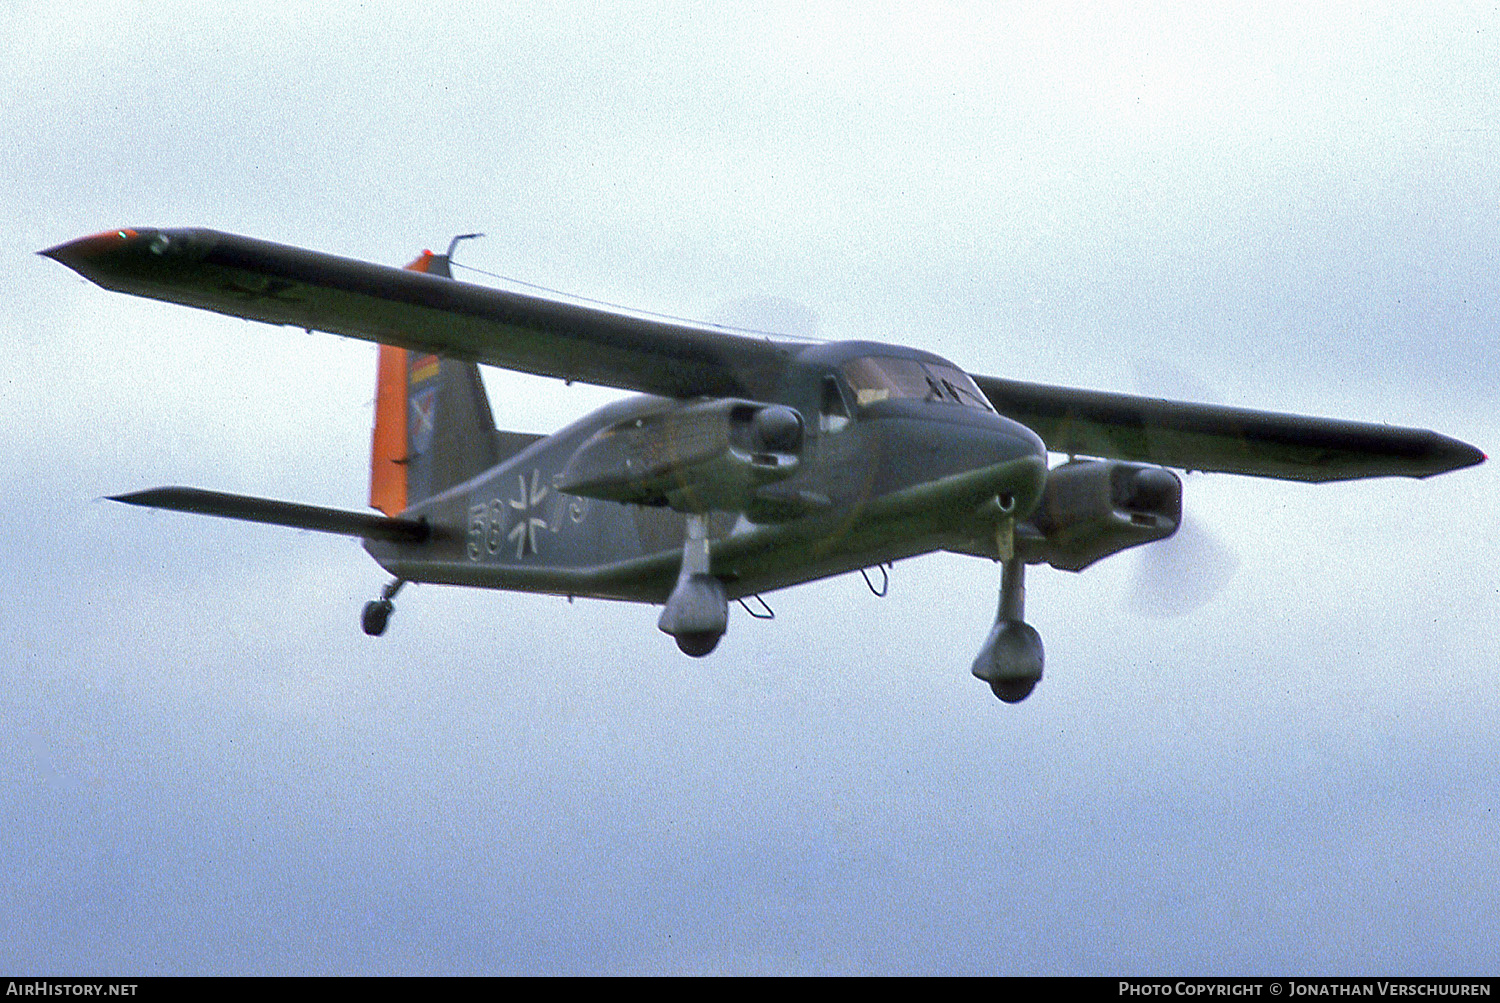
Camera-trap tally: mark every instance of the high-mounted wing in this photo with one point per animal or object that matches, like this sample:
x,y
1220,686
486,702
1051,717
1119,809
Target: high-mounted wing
x,y
277,284
1224,439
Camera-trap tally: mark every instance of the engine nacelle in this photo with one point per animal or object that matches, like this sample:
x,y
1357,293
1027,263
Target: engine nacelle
x,y
1093,508
692,456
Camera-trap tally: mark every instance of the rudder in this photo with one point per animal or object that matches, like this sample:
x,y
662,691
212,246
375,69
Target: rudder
x,y
433,425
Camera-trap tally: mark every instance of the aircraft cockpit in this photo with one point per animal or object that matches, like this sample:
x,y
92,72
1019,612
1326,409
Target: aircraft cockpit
x,y
875,378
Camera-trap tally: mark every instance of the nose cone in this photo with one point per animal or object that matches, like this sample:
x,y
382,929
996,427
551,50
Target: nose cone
x,y
975,455
969,439
1027,442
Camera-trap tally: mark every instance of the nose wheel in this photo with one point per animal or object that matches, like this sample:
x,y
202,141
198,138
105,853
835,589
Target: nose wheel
x,y
1011,659
377,612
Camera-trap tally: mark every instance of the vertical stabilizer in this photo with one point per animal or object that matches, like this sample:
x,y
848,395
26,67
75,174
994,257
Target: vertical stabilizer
x,y
433,426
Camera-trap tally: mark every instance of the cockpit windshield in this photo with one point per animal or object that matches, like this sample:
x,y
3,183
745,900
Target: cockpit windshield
x,y
879,377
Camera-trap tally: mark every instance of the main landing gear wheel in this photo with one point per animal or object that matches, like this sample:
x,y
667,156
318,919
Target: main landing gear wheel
x,y
376,616
697,612
377,612
697,644
1013,690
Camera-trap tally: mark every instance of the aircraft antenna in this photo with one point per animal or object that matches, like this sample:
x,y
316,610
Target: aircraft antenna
x,y
454,243
630,310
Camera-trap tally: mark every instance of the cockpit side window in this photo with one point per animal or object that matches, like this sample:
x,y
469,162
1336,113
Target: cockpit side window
x,y
833,413
877,378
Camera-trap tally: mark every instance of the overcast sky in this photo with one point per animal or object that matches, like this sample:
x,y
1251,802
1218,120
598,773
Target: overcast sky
x,y
205,767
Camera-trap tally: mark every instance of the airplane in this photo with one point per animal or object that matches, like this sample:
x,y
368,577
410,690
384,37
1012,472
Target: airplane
x,y
746,462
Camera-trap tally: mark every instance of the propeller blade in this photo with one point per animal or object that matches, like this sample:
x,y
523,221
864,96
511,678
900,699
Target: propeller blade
x,y
1175,576
1184,572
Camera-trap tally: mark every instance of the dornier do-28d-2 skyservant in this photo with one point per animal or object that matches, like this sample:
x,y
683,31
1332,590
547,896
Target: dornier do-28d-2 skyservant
x,y
747,464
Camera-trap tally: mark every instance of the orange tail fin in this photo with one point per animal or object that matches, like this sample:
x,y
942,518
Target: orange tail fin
x,y
389,449
433,426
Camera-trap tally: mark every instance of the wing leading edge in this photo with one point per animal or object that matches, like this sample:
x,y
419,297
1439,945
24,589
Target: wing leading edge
x,y
1223,439
279,284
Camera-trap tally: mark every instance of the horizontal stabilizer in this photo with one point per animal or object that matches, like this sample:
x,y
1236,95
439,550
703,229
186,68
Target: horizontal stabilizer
x,y
281,513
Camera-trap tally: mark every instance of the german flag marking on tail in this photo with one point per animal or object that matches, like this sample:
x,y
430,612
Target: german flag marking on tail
x,y
425,367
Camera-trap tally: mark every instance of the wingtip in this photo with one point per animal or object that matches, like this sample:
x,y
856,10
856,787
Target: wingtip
x,y
1469,456
64,253
135,497
1457,455
78,253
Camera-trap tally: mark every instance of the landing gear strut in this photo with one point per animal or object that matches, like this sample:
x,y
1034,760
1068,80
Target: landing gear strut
x,y
377,612
1011,659
697,611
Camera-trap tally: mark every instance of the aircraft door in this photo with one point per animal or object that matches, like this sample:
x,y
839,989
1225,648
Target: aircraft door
x,y
845,458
